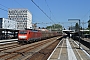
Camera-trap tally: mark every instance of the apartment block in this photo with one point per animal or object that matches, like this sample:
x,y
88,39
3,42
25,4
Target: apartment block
x,y
22,16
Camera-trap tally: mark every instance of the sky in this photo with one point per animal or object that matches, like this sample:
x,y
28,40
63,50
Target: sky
x,y
55,11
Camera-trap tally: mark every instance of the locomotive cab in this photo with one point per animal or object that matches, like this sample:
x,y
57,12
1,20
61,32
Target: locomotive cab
x,y
22,35
26,36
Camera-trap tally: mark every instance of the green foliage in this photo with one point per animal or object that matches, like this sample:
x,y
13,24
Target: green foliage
x,y
89,24
77,27
54,26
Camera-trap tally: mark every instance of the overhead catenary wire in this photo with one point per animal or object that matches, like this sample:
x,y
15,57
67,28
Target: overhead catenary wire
x,y
85,14
18,3
3,9
7,7
4,6
50,9
23,7
43,11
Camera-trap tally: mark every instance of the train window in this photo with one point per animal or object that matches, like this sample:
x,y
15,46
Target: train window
x,y
23,32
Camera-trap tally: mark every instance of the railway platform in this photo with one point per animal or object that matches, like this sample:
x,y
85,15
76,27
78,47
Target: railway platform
x,y
6,41
68,49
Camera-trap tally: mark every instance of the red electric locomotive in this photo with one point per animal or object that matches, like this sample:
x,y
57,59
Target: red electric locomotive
x,y
28,36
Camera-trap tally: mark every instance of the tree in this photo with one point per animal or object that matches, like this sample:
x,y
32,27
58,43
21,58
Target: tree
x,y
54,26
77,27
89,24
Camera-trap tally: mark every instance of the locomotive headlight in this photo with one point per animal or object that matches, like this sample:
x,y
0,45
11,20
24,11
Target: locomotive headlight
x,y
22,37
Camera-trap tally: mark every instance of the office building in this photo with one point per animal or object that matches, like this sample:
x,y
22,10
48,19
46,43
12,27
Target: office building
x,y
22,16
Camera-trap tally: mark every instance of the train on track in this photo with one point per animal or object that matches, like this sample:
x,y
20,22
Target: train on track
x,y
27,36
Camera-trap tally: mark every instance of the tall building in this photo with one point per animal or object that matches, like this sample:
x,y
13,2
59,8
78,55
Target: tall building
x,y
22,16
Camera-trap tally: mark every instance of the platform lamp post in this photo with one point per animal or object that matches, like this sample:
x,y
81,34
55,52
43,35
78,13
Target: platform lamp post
x,y
79,27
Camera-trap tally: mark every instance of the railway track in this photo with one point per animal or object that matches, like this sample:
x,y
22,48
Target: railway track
x,y
44,53
83,43
8,41
8,46
25,51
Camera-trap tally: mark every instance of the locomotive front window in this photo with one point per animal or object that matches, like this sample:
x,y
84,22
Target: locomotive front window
x,y
23,32
29,32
